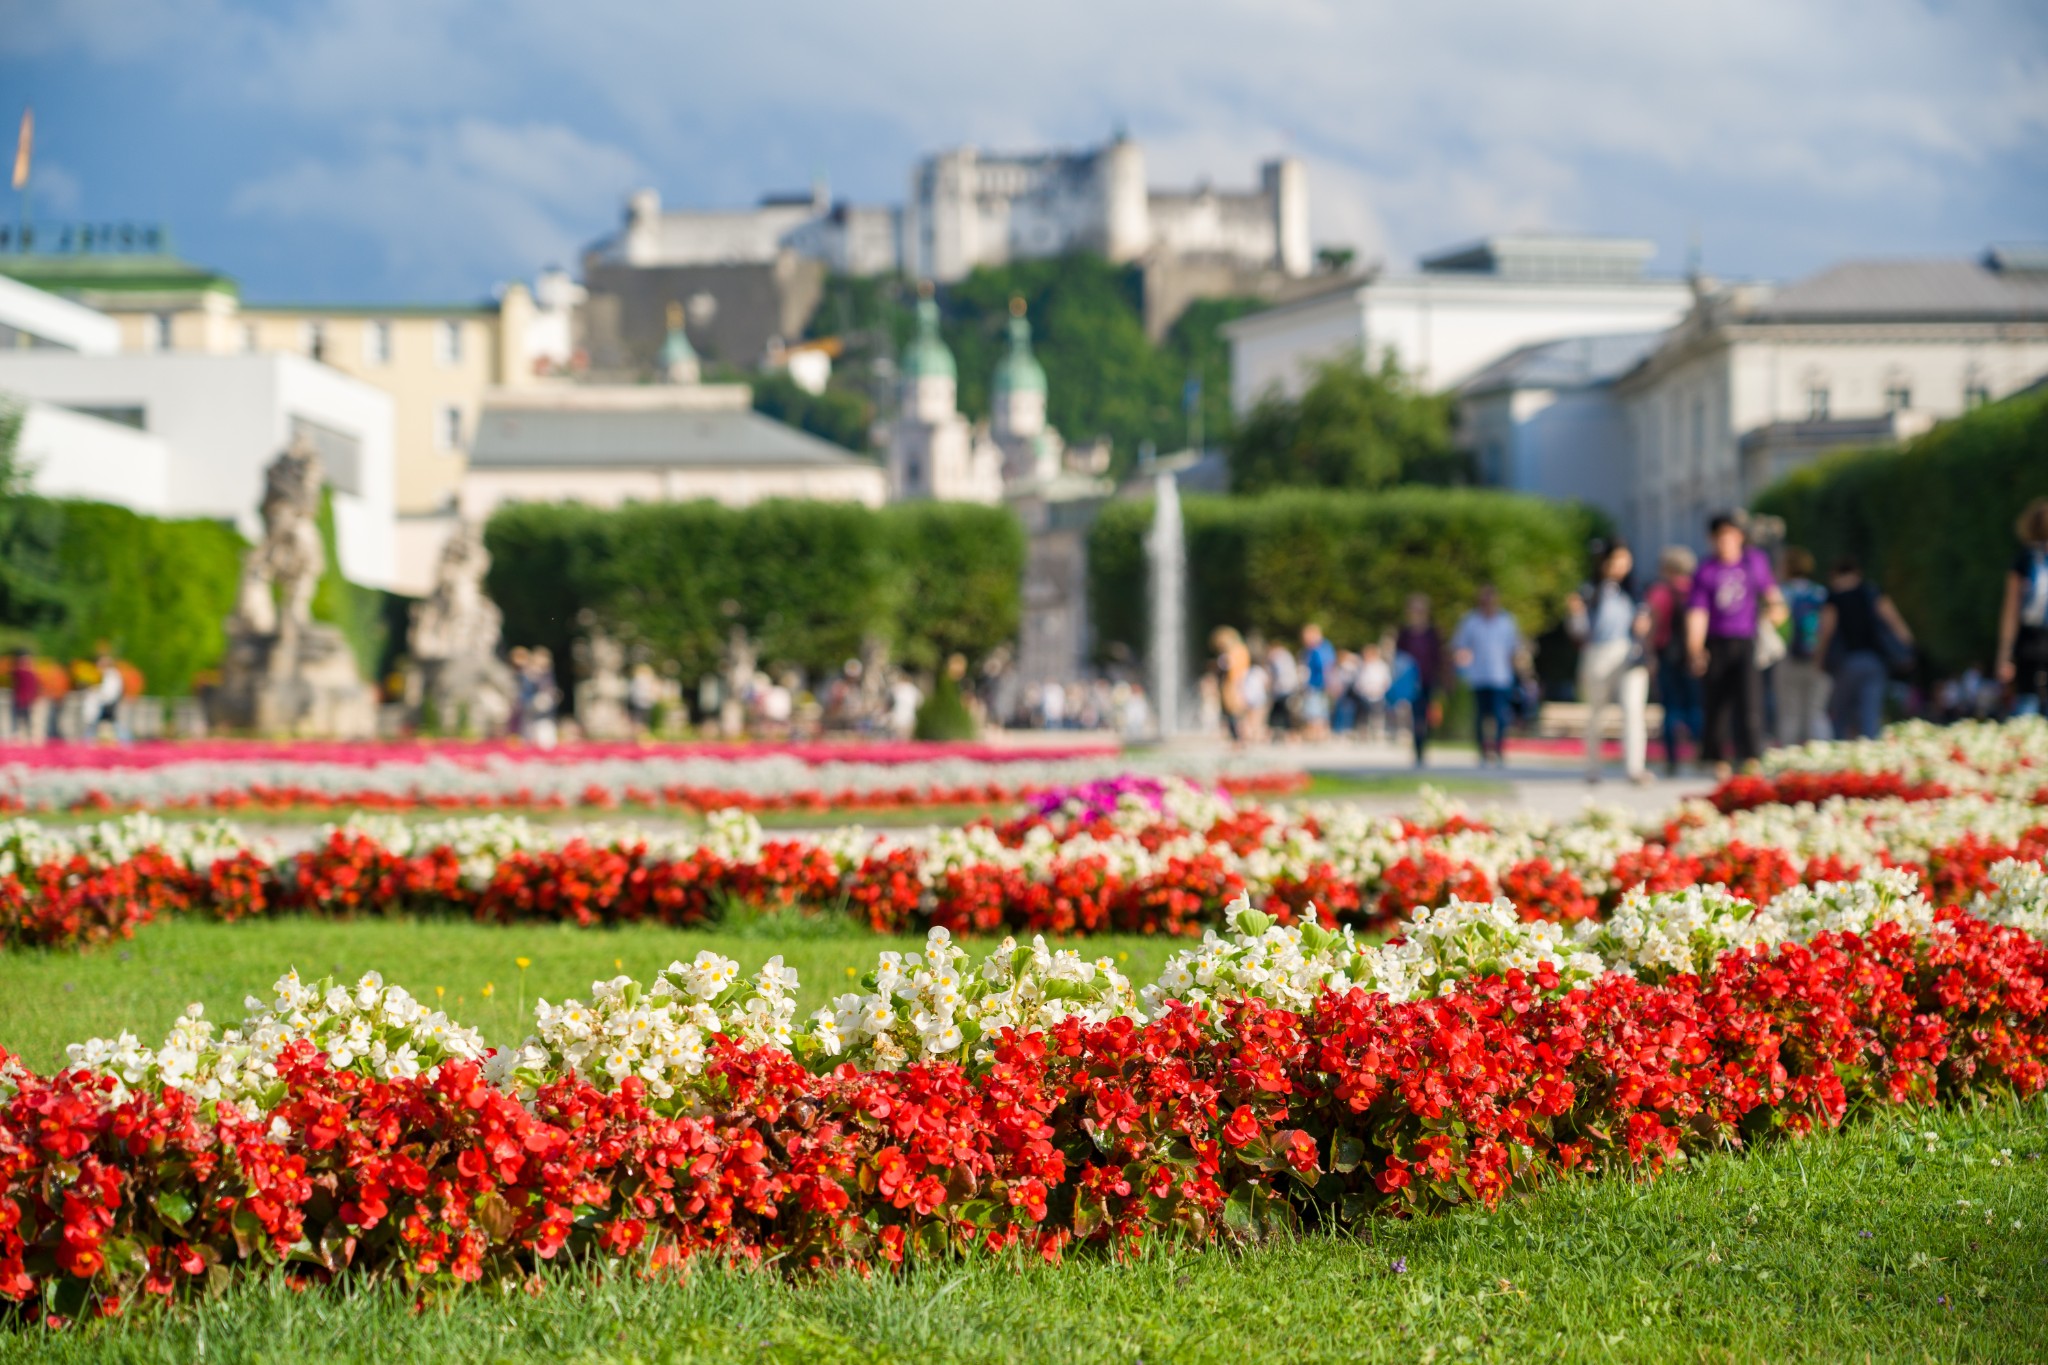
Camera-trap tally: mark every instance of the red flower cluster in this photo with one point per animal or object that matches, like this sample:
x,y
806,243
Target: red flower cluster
x,y
1085,1136
1747,791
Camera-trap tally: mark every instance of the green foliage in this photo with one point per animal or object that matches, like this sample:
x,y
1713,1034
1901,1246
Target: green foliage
x,y
1351,428
808,581
31,592
1105,376
1931,521
838,415
156,591
357,610
958,569
944,715
1347,561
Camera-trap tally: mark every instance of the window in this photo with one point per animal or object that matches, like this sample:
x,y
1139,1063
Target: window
x,y
316,340
1976,394
251,342
1817,403
448,343
1699,430
157,332
448,427
1898,397
377,342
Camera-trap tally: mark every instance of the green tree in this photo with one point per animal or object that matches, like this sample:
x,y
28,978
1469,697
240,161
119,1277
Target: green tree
x,y
1353,427
839,415
32,593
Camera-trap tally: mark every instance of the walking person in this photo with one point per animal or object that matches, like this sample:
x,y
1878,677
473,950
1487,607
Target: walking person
x,y
2023,615
1801,677
103,701
1418,642
1318,668
1484,648
1285,675
1853,644
1678,690
1613,631
25,691
1731,594
1370,687
1233,663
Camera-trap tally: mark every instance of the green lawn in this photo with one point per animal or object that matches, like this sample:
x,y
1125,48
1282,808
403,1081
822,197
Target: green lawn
x,y
49,999
1866,1245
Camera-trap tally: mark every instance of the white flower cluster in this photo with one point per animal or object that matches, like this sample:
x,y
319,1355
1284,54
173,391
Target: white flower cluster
x,y
2004,758
660,1033
193,844
1439,947
1256,956
1666,933
2021,897
371,1028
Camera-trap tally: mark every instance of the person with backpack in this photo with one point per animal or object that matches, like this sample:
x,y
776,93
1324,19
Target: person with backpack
x,y
1612,629
1854,646
2023,616
1801,681
1678,691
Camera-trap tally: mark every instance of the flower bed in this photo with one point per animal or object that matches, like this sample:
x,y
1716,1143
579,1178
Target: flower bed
x,y
229,776
1133,856
1037,1101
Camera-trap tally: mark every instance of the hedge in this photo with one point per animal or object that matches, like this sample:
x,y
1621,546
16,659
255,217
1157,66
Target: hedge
x,y
157,591
1347,561
1931,521
810,581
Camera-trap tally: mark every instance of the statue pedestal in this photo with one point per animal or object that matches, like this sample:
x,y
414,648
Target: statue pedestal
x,y
317,694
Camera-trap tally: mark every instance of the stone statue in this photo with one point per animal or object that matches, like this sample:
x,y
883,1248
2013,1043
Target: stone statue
x,y
453,641
286,673
601,688
737,671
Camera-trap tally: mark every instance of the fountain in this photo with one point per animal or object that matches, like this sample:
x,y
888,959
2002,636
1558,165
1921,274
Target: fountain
x,y
1166,550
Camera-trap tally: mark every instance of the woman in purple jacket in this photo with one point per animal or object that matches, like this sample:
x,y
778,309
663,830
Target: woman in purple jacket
x,y
1732,594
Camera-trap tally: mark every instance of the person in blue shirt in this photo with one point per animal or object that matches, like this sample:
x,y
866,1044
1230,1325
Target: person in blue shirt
x,y
1800,679
1318,662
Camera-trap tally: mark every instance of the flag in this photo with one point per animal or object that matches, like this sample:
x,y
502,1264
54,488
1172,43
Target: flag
x,y
24,147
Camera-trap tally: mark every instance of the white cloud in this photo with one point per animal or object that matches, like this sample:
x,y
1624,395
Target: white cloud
x,y
1422,124
468,195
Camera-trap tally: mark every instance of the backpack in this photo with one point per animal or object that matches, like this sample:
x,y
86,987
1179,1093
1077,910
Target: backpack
x,y
1805,605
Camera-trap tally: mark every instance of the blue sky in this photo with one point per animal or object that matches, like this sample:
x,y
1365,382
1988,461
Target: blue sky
x,y
416,150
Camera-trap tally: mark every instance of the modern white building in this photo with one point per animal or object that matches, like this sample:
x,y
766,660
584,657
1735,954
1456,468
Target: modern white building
x,y
1758,380
33,319
200,431
1462,310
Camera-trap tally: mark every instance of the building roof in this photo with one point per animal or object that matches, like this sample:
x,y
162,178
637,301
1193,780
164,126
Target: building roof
x,y
509,436
927,357
1547,256
1912,291
1567,363
91,273
1019,371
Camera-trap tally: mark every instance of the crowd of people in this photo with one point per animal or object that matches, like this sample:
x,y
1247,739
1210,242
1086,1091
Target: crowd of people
x,y
1740,650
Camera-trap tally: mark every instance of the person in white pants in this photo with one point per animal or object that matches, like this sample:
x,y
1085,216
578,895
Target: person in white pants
x,y
1612,626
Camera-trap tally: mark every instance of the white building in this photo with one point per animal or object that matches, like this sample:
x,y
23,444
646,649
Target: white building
x,y
1757,380
968,209
1461,311
1542,419
199,431
33,319
607,445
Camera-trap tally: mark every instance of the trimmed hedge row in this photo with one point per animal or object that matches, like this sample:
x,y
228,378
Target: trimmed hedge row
x,y
157,591
1347,561
808,580
1932,520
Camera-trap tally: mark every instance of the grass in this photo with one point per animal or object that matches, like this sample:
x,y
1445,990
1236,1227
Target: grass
x,y
1869,1244
1334,786
50,999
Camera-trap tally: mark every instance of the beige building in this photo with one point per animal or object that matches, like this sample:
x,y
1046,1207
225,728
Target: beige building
x,y
434,361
